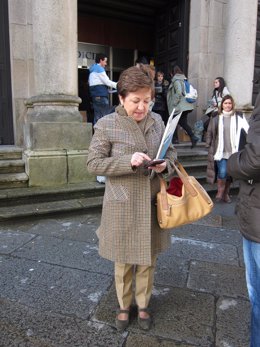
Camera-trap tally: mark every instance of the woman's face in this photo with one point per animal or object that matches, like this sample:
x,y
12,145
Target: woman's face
x,y
216,83
227,105
159,77
137,103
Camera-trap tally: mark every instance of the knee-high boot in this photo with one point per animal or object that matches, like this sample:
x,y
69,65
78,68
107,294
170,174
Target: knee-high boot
x,y
226,196
221,187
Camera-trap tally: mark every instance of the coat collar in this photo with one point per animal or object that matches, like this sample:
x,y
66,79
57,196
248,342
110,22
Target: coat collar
x,y
131,123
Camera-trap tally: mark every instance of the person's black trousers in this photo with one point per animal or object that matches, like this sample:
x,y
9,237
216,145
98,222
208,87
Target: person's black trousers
x,y
183,122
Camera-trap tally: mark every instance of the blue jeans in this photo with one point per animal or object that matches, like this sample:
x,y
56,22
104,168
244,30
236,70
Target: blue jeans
x,y
101,107
222,168
252,262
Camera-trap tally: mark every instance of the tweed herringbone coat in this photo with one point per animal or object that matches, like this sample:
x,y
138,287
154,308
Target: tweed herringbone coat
x,y
129,231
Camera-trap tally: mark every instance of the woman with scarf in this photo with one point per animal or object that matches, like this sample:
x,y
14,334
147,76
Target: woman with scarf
x,y
129,234
225,132
219,91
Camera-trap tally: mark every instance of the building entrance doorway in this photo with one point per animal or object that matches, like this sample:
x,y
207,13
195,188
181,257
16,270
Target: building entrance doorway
x,y
154,29
6,114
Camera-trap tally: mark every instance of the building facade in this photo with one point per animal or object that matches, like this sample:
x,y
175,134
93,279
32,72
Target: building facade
x,y
41,54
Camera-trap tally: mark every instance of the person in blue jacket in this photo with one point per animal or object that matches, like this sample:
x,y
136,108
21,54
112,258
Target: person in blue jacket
x,y
99,83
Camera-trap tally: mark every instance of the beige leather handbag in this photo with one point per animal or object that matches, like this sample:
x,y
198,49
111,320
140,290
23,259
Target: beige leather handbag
x,y
193,204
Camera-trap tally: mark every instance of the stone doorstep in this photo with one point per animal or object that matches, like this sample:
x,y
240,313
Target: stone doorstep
x,y
9,180
10,152
11,166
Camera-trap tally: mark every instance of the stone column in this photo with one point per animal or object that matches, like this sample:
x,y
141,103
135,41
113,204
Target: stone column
x,y
240,44
56,140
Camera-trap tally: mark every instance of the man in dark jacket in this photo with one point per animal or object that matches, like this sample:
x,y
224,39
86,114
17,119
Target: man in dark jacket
x,y
245,166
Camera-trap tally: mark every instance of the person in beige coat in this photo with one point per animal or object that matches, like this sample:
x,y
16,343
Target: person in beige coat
x,y
129,234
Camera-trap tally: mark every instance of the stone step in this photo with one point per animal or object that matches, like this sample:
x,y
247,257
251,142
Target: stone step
x,y
11,166
192,156
187,146
78,205
36,195
13,180
10,152
194,166
50,207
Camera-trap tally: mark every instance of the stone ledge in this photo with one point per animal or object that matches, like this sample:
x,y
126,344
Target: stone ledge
x,y
52,207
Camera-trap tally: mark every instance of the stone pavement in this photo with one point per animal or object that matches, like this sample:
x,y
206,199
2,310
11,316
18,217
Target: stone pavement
x,y
56,291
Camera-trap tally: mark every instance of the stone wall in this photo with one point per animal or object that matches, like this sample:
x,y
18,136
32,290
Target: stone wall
x,y
206,47
222,43
22,70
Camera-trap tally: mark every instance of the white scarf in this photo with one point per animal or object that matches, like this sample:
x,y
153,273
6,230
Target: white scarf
x,y
235,131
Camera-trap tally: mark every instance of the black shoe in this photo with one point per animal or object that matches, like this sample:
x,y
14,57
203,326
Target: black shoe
x,y
194,141
144,323
121,325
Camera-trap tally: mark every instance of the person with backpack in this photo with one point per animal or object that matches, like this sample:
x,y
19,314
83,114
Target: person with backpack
x,y
176,99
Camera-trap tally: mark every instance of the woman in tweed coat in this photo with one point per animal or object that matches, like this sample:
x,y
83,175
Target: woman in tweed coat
x,y
129,234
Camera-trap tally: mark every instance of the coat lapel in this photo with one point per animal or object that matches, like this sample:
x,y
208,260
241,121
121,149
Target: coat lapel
x,y
130,124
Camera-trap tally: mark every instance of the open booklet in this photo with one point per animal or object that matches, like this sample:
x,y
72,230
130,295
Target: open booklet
x,y
168,134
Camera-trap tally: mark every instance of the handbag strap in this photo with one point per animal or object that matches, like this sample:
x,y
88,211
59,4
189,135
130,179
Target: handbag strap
x,y
164,199
185,180
181,172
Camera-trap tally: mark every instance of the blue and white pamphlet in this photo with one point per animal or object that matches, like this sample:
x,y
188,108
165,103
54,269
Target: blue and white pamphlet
x,y
168,134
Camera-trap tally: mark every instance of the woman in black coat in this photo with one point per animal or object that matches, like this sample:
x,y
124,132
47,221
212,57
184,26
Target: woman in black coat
x,y
245,166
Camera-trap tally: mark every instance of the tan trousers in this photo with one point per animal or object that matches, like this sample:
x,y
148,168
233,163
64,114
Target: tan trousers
x,y
144,277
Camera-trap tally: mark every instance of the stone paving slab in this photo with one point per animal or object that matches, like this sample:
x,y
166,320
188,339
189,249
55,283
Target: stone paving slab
x,y
26,327
210,220
204,233
200,250
230,222
217,279
17,225
79,230
10,240
171,271
240,255
73,254
54,288
232,324
138,340
182,315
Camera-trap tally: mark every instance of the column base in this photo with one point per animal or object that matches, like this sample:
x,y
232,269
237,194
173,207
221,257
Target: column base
x,y
46,168
56,168
247,111
57,136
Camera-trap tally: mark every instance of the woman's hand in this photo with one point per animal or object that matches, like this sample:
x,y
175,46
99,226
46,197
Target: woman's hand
x,y
138,158
159,167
